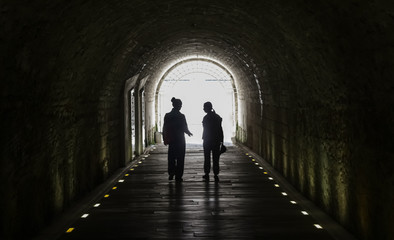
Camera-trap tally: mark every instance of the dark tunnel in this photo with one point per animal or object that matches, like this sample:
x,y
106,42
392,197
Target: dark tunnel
x,y
313,87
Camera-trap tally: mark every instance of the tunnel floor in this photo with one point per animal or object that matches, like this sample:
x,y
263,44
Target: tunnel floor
x,y
247,203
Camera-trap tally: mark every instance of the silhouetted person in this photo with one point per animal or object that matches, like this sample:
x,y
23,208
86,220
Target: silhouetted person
x,y
212,139
174,130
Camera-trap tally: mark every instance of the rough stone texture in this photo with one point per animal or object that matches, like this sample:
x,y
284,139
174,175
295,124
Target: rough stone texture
x,y
323,71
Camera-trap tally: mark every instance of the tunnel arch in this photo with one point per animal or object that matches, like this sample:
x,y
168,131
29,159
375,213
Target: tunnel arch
x,y
214,63
241,65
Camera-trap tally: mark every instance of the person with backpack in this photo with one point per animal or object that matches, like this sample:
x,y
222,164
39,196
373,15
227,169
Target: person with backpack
x,y
212,140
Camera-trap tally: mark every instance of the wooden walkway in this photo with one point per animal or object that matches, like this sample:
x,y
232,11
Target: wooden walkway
x,y
247,203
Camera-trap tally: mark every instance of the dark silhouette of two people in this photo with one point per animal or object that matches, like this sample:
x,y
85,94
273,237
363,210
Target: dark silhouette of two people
x,y
174,129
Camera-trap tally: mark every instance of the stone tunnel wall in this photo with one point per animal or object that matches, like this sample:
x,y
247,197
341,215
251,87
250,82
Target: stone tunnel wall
x,y
333,139
60,120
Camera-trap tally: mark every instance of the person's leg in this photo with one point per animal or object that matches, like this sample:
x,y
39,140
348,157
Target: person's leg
x,y
180,163
215,159
207,158
171,161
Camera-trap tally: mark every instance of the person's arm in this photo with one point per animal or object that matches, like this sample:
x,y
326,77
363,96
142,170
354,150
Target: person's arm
x,y
203,128
221,135
186,129
165,130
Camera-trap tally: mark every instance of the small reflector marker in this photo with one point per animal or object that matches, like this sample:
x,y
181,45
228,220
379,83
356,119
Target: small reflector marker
x,y
96,205
256,163
139,162
69,230
131,169
107,195
253,159
261,168
121,180
136,165
265,173
276,185
293,202
270,178
247,153
284,194
304,212
114,188
126,174
85,215
318,226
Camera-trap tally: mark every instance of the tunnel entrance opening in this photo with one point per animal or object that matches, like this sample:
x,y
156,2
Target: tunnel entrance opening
x,y
132,123
196,81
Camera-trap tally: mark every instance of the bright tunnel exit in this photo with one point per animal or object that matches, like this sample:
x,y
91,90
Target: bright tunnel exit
x,y
196,82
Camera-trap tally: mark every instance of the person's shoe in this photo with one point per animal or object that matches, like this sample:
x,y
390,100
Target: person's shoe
x,y
206,177
216,178
179,179
171,177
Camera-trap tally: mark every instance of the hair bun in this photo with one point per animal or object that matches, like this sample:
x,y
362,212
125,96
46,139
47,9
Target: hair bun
x,y
172,99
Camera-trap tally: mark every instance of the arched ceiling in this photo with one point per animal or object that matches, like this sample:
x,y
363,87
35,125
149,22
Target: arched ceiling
x,y
240,36
260,42
116,40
